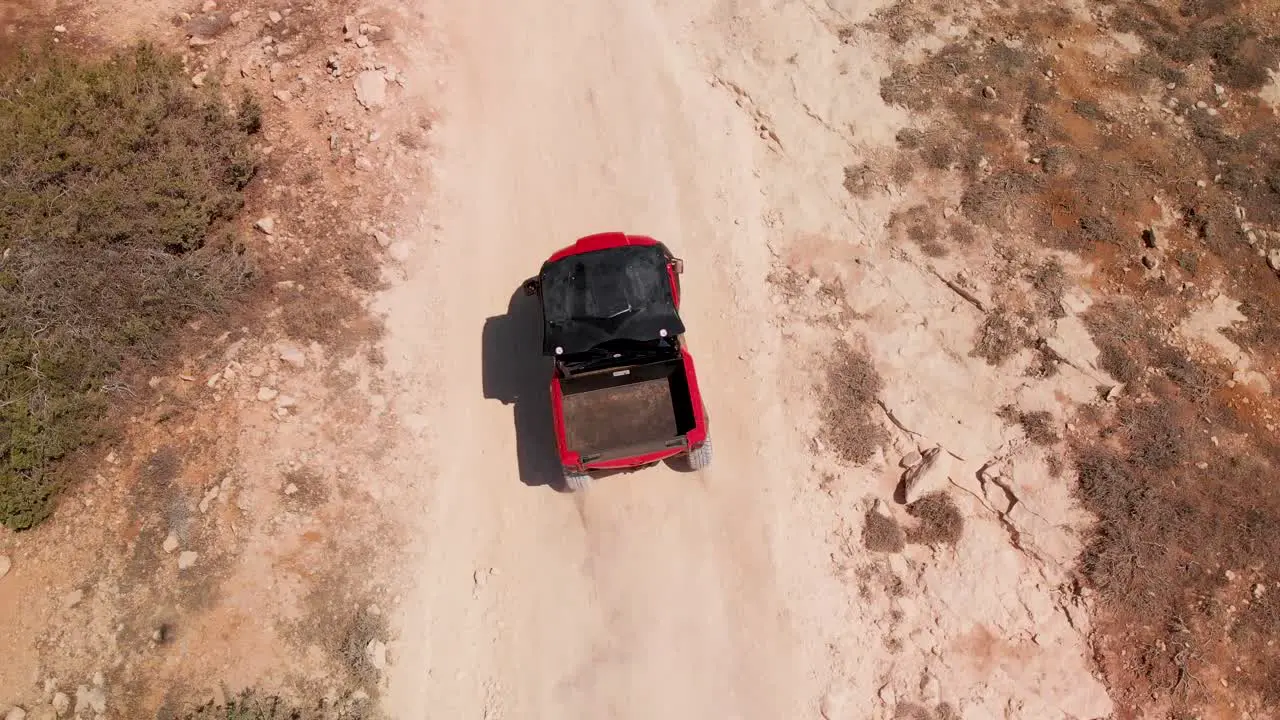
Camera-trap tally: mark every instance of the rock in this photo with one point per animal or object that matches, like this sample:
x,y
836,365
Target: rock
x,y
995,491
376,651
930,475
266,225
1201,104
187,559
363,164
61,704
274,17
283,96
206,25
1150,262
834,705
400,251
911,459
198,79
99,679
989,92
1273,258
1252,379
371,89
257,371
275,71
374,610
292,355
73,598
239,16
1115,392
209,496
286,402
1149,238
266,394
1199,183
878,507
16,713
59,28
42,712
5,565
930,689
170,543
382,238
209,6
290,489
87,698
350,28
362,41
1259,590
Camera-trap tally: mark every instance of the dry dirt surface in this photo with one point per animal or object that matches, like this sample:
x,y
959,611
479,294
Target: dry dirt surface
x,y
743,592
950,374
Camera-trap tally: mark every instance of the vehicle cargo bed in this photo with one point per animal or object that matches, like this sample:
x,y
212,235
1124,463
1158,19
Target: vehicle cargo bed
x,y
611,414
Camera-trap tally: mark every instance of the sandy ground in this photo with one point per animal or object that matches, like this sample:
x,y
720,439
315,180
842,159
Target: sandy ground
x,y
421,482
711,126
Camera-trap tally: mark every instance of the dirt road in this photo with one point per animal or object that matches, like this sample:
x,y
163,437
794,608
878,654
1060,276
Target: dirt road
x,y
663,594
652,595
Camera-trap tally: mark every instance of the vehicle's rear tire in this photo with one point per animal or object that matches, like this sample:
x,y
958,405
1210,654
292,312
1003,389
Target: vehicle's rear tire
x,y
700,457
576,482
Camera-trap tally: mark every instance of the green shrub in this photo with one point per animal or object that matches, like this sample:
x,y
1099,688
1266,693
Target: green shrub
x,y
112,176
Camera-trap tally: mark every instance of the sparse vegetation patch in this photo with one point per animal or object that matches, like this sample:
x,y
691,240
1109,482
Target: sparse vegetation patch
x,y
115,176
256,705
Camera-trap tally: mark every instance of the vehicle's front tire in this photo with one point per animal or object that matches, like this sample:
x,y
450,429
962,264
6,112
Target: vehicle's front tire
x,y
700,457
576,482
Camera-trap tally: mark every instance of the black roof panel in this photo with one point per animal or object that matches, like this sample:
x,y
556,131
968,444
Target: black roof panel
x,y
621,293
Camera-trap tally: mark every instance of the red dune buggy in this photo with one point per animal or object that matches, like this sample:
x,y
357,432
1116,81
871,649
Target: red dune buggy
x,y
624,393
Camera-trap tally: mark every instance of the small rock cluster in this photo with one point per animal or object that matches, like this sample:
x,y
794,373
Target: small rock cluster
x,y
90,701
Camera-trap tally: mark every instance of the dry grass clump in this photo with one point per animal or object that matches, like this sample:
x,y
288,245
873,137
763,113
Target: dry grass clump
x,y
258,705
1001,335
852,387
882,534
940,520
1037,425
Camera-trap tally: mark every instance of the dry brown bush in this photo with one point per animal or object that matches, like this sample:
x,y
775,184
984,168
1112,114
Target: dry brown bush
x,y
1038,425
852,388
882,534
1001,335
940,521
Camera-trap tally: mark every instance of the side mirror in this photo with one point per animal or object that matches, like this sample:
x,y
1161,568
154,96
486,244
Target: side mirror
x,y
677,265
531,286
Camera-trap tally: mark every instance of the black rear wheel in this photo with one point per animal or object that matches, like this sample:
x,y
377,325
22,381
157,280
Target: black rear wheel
x,y
700,457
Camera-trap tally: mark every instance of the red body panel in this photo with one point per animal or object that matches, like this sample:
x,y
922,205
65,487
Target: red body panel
x,y
695,437
601,241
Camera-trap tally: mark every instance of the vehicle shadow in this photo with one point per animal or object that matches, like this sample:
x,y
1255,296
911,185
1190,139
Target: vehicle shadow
x,y
516,373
